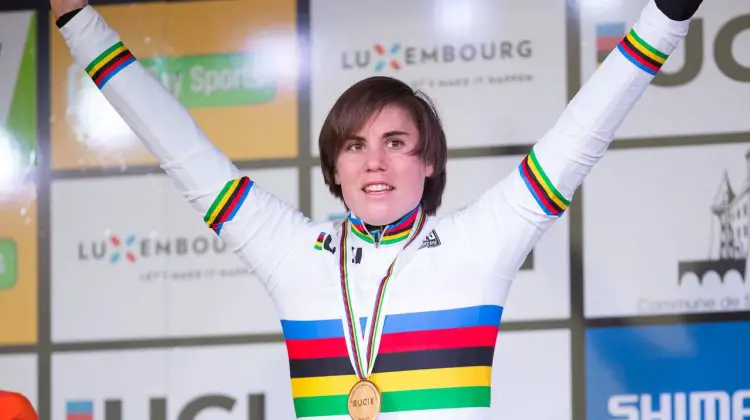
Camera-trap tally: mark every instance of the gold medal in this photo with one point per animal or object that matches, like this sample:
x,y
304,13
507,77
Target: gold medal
x,y
364,401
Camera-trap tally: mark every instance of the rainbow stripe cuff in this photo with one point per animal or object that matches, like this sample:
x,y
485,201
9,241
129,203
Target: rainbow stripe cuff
x,y
109,63
227,203
641,54
542,189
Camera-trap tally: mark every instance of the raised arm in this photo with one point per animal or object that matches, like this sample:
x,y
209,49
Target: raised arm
x,y
259,227
522,206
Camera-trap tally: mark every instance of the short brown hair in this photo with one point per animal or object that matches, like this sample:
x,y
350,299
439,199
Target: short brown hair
x,y
362,100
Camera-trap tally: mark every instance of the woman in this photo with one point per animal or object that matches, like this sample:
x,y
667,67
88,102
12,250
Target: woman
x,y
393,312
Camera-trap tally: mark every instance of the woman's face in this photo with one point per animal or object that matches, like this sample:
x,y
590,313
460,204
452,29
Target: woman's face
x,y
380,178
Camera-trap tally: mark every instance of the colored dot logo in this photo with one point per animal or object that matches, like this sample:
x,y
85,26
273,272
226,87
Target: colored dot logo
x,y
122,248
386,57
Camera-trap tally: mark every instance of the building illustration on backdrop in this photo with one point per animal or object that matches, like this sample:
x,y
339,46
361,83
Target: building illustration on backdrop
x,y
730,247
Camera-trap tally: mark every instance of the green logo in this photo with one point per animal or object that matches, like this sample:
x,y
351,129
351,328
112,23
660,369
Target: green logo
x,y
214,80
8,263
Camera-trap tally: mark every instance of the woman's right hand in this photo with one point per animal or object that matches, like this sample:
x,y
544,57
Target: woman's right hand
x,y
61,7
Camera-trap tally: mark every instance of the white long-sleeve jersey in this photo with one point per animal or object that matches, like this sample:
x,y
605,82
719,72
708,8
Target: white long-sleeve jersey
x,y
444,307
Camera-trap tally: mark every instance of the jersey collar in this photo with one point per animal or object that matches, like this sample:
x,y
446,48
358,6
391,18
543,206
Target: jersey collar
x,y
391,234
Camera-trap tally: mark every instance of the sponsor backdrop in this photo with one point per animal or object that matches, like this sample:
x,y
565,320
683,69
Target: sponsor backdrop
x,y
692,256
139,246
232,382
237,79
469,56
116,301
629,377
711,66
18,210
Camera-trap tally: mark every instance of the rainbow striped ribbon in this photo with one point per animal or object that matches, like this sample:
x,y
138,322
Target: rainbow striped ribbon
x,y
363,364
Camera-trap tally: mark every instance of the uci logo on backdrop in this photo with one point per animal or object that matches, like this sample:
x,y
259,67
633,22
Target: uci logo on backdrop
x,y
112,409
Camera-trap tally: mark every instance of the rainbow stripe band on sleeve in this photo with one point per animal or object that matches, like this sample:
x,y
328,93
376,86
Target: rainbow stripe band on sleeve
x,y
109,63
542,189
227,203
641,54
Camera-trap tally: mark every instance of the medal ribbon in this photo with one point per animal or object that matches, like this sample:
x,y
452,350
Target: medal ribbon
x,y
360,368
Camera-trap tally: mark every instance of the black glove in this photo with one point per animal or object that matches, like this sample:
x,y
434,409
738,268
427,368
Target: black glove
x,y
678,9
66,18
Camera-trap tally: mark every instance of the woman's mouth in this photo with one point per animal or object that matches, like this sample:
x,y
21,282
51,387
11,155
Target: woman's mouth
x,y
377,189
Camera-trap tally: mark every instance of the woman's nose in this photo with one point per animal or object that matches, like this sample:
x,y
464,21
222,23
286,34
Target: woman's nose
x,y
376,160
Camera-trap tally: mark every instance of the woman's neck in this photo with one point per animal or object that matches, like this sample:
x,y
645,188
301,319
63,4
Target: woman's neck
x,y
380,228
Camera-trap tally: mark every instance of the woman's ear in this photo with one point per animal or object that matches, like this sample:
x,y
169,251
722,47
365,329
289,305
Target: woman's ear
x,y
429,170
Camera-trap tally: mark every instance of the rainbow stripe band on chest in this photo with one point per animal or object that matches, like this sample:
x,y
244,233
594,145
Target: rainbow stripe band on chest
x,y
109,63
426,360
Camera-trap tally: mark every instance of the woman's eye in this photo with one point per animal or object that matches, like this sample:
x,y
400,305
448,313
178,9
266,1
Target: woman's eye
x,y
356,146
395,143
